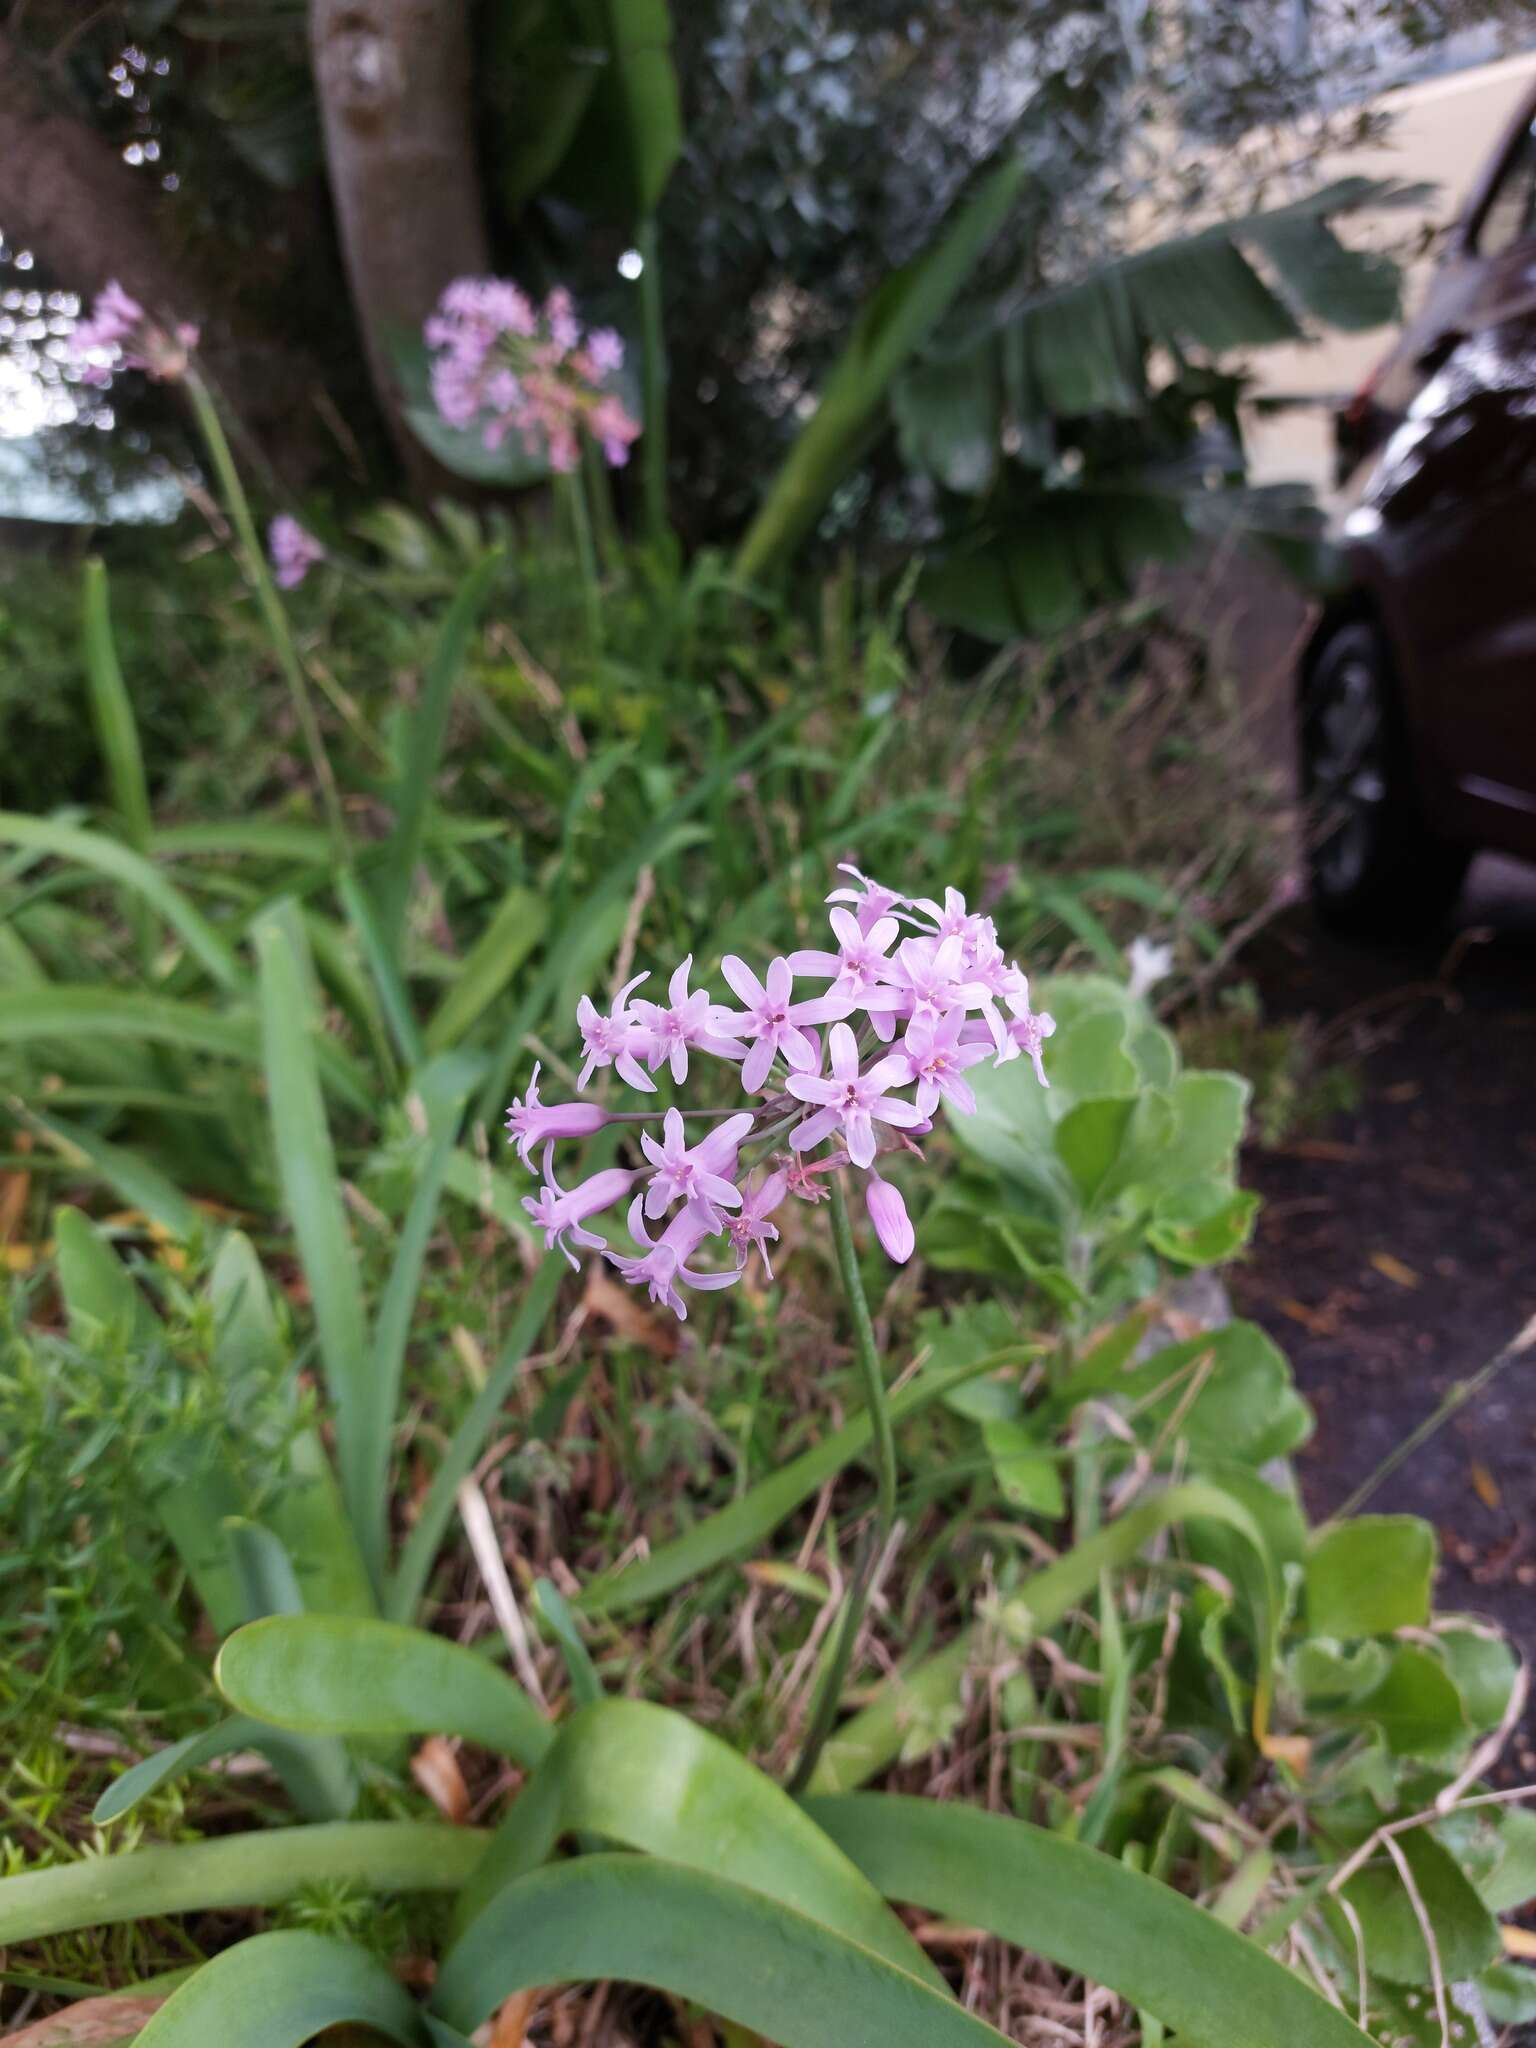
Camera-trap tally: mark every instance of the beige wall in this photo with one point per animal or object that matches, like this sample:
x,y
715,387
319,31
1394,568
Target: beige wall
x,y
1442,133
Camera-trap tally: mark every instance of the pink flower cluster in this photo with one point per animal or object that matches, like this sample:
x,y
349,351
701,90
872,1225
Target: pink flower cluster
x,y
914,993
509,367
293,549
118,333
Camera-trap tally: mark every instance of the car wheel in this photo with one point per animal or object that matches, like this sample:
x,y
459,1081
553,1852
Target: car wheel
x,y
1373,862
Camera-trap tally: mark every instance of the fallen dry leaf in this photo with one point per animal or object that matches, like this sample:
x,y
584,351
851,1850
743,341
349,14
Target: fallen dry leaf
x,y
1394,1269
92,2023
1309,1318
1295,1750
509,2029
618,1307
1485,1486
436,1770
1519,1941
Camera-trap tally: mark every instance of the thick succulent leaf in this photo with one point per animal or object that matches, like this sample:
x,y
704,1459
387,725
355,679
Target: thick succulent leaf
x,y
650,1779
733,1951
1214,1988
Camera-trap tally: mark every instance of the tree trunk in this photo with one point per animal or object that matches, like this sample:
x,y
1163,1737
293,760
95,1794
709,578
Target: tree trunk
x,y
65,190
393,78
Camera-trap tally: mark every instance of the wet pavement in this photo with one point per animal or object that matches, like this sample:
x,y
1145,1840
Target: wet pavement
x,y
1396,1250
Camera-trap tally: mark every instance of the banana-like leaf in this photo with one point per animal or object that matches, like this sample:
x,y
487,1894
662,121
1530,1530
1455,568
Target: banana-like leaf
x,y
902,315
650,1779
325,1674
279,1991
876,1736
259,1869
734,1951
1090,1914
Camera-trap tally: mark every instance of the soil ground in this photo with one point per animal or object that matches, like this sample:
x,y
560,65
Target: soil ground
x,y
1396,1253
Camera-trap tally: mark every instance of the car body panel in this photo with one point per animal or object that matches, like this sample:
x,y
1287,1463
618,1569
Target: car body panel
x,y
1439,535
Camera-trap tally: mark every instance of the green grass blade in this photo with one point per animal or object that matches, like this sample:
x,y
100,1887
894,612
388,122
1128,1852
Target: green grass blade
x,y
467,1442
875,1737
312,1197
324,1674
751,1520
279,1991
1090,1914
424,748
134,874
443,1087
515,929
897,320
394,999
731,1950
651,1779
98,1290
258,1869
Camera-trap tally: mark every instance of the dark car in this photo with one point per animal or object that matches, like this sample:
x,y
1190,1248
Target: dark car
x,y
1417,696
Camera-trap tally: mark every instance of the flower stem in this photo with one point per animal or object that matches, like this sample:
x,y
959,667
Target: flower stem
x,y
574,493
653,448
883,1445
274,618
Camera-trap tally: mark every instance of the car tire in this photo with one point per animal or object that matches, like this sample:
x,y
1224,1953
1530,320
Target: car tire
x,y
1374,866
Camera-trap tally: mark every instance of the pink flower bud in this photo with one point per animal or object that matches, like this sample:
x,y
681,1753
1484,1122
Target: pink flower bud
x,y
888,1213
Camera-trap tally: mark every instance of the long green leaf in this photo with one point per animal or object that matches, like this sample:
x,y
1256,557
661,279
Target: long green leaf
x,y
467,1442
99,1294
442,1088
279,1991
651,1779
640,47
901,316
312,1197
875,1737
424,750
324,1674
62,1013
117,734
130,1176
236,1870
749,1521
1088,1913
236,1731
515,929
731,1950
122,865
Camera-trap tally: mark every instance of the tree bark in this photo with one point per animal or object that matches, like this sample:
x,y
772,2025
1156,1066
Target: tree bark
x,y
393,78
65,190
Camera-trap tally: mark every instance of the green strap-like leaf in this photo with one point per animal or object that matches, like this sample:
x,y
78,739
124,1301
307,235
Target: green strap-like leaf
x,y
424,747
508,938
328,1674
110,857
237,1870
731,1950
279,1991
1087,1912
237,1731
653,1780
312,1197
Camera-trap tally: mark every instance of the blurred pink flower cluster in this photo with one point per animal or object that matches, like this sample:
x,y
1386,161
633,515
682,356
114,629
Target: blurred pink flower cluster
x,y
913,993
506,366
117,333
293,549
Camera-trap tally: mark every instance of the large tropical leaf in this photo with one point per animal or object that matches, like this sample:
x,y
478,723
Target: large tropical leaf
x,y
897,321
